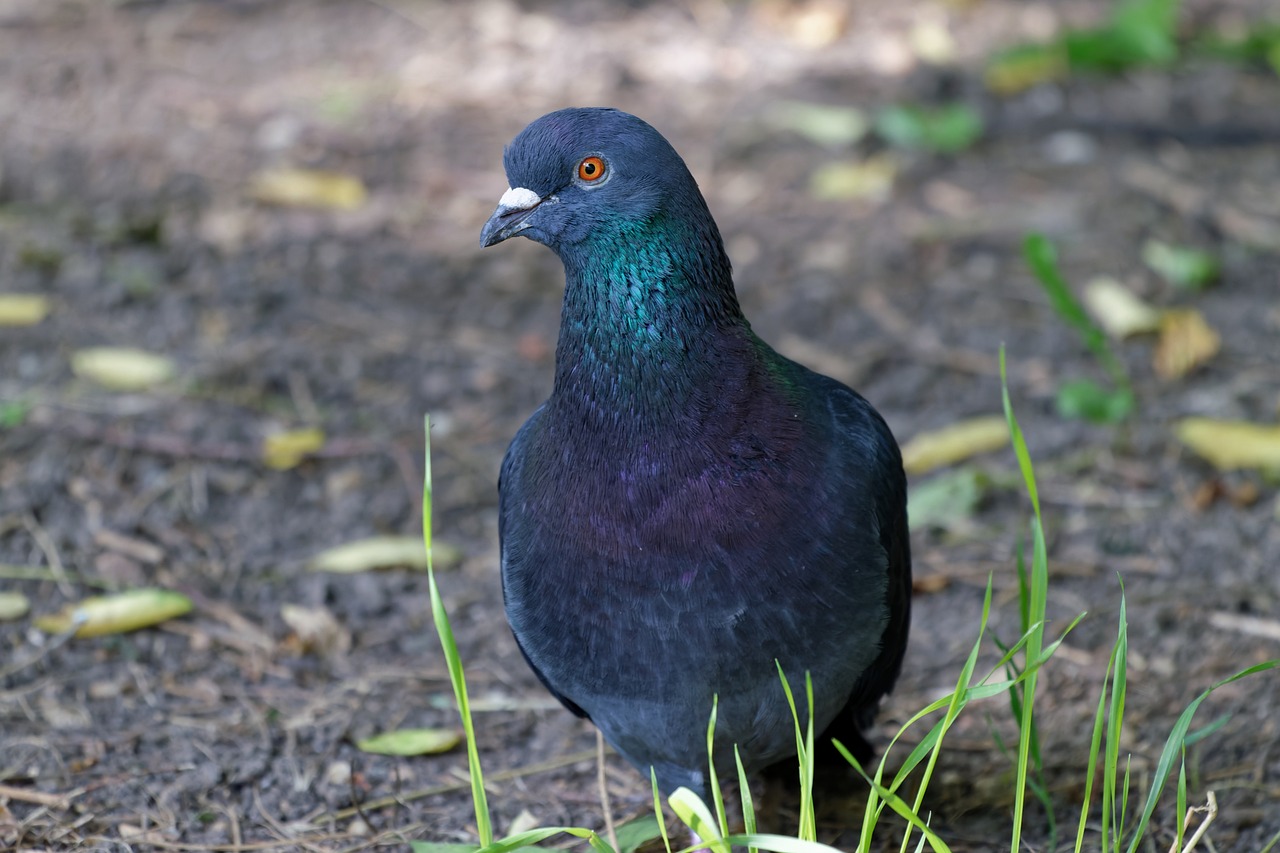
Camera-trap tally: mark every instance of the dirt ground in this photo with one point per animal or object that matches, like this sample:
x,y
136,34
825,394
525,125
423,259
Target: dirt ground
x,y
131,132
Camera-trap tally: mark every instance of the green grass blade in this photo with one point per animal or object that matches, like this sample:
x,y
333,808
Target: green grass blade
x,y
900,806
1182,800
1039,582
1042,258
744,789
779,843
1172,748
1095,746
1115,723
808,830
1019,443
953,711
713,780
690,808
527,839
657,810
484,825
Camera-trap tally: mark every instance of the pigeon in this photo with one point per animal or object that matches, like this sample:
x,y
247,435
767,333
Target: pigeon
x,y
689,512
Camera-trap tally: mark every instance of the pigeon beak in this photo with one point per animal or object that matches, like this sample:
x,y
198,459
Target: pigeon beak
x,y
512,216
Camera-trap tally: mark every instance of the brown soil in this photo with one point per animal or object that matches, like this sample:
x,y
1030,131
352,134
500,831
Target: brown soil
x,y
131,131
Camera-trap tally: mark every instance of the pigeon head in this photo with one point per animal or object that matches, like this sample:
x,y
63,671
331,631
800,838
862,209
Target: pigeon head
x,y
593,176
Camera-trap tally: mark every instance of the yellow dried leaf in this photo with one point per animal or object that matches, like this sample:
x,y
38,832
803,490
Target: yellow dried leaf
x,y
22,309
411,742
1186,342
1118,310
1229,445
117,614
869,180
284,450
954,443
13,605
384,552
308,188
121,368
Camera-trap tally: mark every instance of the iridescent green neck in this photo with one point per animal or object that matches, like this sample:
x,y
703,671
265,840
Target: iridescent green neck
x,y
645,308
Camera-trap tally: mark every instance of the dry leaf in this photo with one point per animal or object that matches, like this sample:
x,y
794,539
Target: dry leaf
x,y
954,443
411,742
1230,445
308,188
117,614
121,368
315,630
1186,342
384,552
1118,310
22,309
13,605
870,179
284,450
522,822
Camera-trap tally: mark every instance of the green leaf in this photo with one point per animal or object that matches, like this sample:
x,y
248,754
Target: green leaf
x,y
13,413
947,500
1181,266
411,742
636,833
946,129
833,126
1086,400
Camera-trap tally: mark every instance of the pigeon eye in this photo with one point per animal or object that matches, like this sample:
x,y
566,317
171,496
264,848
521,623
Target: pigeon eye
x,y
591,169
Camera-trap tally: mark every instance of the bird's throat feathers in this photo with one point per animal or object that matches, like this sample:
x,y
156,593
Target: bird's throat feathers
x,y
648,309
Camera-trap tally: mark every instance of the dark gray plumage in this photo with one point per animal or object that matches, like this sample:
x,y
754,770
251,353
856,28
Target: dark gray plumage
x,y
688,506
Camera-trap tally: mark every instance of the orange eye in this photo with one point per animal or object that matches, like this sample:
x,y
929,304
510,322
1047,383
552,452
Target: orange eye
x,y
591,169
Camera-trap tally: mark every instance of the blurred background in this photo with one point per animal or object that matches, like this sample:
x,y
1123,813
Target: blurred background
x,y
239,262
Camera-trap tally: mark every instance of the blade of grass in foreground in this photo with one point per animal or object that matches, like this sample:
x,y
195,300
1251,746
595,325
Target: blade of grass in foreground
x,y
808,830
1036,607
1173,748
1095,741
713,780
744,789
657,810
484,826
